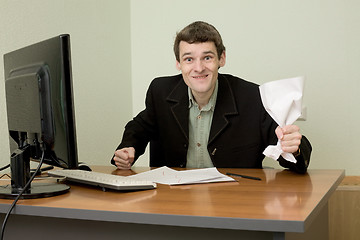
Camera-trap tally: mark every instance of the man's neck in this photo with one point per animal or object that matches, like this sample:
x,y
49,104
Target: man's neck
x,y
203,99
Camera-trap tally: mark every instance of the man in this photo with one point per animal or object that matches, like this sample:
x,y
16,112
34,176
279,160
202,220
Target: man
x,y
201,118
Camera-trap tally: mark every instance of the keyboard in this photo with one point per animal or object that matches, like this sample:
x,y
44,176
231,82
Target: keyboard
x,y
103,180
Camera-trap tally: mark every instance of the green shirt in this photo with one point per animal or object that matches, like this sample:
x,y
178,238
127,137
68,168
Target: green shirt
x,y
199,129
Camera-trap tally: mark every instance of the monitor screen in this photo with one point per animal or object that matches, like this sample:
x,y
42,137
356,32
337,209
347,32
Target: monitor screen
x,y
39,101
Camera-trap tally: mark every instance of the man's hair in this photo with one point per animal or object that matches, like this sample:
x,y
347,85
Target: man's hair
x,y
199,32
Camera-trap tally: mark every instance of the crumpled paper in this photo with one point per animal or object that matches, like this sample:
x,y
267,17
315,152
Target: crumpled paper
x,y
282,99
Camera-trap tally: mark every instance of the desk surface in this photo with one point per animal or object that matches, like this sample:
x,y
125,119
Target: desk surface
x,y
282,202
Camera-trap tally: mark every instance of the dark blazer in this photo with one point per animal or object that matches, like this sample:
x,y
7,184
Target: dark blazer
x,y
241,128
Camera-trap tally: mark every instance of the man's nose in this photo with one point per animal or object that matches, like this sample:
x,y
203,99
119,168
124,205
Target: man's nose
x,y
199,66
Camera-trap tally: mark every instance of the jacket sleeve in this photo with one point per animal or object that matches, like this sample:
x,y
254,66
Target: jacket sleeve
x,y
303,159
140,129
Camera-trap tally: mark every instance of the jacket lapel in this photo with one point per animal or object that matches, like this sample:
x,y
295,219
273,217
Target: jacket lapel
x,y
225,106
180,106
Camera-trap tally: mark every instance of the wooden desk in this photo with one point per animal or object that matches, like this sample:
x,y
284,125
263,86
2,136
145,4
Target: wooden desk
x,y
284,205
344,210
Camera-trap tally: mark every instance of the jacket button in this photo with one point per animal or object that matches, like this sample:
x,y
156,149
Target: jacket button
x,y
182,165
185,145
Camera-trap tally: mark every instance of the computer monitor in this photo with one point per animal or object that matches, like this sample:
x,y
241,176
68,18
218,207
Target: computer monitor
x,y
40,111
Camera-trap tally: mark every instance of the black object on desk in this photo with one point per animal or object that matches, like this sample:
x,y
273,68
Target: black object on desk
x,y
243,176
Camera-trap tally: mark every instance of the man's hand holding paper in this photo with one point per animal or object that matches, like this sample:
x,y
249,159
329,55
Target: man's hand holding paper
x,y
290,138
282,100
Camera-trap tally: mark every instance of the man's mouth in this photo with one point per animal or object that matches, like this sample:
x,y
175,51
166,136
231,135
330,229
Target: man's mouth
x,y
200,76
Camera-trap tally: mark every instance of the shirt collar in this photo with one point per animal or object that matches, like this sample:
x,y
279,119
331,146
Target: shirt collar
x,y
211,103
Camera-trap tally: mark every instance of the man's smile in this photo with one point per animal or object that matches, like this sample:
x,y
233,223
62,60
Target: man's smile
x,y
201,76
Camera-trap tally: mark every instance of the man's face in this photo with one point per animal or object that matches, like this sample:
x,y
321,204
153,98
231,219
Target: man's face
x,y
199,64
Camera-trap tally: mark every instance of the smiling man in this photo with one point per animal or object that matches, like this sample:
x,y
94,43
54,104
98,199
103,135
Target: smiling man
x,y
199,64
201,118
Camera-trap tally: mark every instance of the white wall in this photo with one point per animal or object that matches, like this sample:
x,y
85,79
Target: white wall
x,y
265,41
100,42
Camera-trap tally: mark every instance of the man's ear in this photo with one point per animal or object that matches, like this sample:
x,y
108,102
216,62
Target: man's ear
x,y
222,60
178,67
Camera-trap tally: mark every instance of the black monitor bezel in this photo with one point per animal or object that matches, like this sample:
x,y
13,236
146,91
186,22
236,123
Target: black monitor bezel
x,y
60,46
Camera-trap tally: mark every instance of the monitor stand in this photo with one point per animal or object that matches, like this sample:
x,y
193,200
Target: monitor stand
x,y
20,175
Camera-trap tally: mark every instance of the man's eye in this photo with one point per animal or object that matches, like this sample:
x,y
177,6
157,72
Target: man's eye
x,y
208,58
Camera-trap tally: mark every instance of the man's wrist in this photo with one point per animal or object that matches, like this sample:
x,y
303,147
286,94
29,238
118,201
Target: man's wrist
x,y
297,153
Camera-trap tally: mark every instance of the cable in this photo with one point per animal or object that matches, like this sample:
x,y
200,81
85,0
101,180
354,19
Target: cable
x,y
5,167
5,175
19,195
